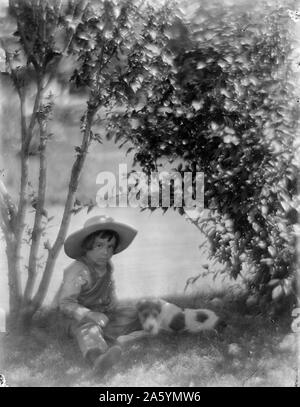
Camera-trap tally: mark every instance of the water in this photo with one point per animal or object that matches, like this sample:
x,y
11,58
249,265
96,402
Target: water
x,y
158,262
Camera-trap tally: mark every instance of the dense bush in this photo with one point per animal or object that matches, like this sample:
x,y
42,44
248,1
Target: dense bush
x,y
227,108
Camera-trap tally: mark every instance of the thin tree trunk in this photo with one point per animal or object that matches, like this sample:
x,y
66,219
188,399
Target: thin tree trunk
x,y
14,244
55,249
20,219
8,215
37,228
14,297
26,137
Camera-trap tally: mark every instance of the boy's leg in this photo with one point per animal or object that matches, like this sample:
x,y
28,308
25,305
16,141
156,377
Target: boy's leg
x,y
89,337
105,361
123,321
94,348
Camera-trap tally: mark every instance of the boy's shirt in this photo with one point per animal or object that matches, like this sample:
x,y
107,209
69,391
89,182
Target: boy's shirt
x,y
80,293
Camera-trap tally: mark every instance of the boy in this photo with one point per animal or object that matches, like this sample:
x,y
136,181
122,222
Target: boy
x,y
87,295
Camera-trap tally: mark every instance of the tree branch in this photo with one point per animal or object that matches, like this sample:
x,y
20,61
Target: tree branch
x,y
30,56
193,221
33,117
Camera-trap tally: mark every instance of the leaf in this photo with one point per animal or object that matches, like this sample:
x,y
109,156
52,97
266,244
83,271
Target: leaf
x,y
225,92
109,135
77,210
129,150
273,282
90,207
201,65
197,105
277,293
84,37
98,138
287,286
252,300
153,49
272,251
267,261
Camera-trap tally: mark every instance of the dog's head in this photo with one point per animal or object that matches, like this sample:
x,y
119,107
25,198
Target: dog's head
x,y
149,313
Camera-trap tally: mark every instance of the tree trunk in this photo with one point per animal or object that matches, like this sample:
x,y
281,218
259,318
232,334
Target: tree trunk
x,y
14,297
7,223
37,227
31,307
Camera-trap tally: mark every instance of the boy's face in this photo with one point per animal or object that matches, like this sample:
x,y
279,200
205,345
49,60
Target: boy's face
x,y
102,251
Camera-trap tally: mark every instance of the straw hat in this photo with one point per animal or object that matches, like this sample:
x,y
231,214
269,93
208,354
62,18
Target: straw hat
x,y
73,242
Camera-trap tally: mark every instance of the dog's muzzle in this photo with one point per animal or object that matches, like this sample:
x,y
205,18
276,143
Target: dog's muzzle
x,y
151,326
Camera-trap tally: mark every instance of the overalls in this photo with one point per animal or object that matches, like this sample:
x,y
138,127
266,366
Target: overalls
x,y
82,290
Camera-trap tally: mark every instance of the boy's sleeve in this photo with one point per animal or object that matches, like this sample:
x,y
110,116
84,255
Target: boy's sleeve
x,y
70,290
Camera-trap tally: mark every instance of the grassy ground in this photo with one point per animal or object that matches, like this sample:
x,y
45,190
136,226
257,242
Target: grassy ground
x,y
252,351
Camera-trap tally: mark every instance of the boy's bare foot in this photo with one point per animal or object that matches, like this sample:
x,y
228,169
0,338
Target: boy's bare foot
x,y
105,361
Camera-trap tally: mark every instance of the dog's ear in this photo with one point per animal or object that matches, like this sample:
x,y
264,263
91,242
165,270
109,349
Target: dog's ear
x,y
158,305
144,303
140,305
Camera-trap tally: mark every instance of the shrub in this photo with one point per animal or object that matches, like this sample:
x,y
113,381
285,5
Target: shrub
x,y
227,109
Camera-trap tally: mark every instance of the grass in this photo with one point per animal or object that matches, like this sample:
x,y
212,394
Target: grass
x,y
248,352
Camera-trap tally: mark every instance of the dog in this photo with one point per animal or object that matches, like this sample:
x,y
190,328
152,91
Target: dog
x,y
159,315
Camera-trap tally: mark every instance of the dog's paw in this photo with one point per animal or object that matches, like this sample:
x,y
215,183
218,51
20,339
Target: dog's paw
x,y
133,336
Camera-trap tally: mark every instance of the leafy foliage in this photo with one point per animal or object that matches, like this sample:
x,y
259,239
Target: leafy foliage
x,y
226,106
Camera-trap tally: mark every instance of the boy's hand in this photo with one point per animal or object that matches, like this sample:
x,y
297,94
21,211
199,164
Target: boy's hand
x,y
98,317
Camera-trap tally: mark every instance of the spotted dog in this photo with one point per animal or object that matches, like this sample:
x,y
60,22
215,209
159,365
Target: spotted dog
x,y
159,315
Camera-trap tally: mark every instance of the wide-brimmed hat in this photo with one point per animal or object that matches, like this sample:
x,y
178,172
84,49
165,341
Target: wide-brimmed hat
x,y
73,243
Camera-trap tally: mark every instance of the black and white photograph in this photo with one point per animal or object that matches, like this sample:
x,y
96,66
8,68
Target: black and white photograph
x,y
149,195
